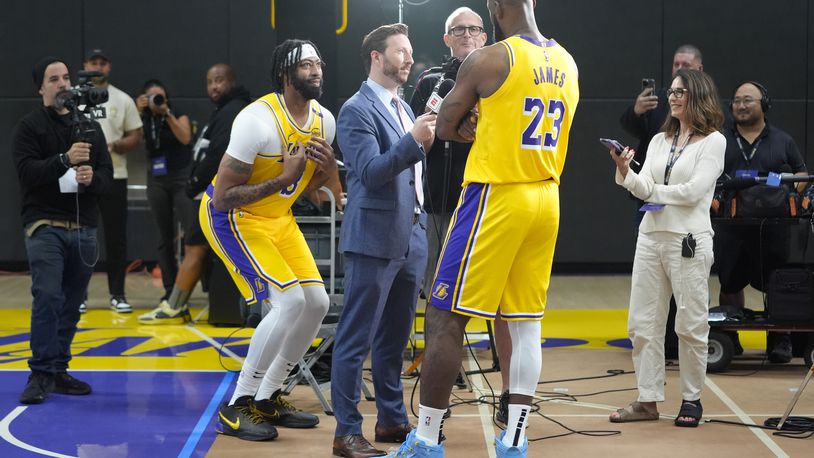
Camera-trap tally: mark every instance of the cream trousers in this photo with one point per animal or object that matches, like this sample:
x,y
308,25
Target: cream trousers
x,y
659,270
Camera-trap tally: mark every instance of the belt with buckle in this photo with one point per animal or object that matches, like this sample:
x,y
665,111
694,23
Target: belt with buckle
x,y
52,222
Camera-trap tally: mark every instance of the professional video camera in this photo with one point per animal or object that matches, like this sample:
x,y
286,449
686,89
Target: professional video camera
x,y
83,102
450,68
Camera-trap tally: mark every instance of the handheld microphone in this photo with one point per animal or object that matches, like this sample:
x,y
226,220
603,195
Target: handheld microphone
x,y
437,97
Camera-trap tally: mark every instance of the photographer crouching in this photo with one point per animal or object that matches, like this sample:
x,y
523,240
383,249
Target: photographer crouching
x,y
61,174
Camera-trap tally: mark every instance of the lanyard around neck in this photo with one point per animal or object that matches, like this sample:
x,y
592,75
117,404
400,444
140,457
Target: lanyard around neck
x,y
671,160
748,159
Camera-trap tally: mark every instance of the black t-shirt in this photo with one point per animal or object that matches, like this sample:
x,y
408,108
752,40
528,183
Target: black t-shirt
x,y
160,141
772,149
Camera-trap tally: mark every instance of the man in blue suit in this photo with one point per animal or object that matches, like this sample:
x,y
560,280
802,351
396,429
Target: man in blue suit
x,y
383,238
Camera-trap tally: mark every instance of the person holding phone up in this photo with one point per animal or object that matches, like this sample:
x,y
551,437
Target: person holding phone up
x,y
674,246
646,116
643,120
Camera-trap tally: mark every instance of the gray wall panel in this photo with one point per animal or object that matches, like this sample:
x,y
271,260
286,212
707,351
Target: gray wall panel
x,y
31,30
615,44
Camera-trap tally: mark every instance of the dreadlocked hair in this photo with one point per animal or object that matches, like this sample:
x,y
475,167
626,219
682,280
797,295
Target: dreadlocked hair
x,y
282,67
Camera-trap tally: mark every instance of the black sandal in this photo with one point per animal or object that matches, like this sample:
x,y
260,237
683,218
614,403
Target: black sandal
x,y
689,409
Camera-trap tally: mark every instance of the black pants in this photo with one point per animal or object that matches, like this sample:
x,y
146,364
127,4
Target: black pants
x,y
169,203
113,209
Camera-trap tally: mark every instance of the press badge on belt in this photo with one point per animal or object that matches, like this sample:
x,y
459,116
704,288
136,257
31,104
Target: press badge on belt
x,y
159,166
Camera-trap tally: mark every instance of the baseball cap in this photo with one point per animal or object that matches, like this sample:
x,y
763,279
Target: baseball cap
x,y
96,52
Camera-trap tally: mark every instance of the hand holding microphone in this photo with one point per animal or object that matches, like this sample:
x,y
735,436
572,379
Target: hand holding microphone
x,y
437,97
423,130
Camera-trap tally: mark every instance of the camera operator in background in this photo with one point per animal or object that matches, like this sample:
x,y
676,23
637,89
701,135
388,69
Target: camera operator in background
x,y
122,129
229,98
445,167
60,174
167,134
743,257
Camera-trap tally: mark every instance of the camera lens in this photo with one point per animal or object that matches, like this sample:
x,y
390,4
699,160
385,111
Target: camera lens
x,y
156,100
97,96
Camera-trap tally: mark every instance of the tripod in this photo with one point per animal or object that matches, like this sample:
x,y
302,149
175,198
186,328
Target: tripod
x,y
795,398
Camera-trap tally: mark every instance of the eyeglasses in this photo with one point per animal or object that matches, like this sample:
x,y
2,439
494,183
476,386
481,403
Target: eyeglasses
x,y
678,92
459,31
746,101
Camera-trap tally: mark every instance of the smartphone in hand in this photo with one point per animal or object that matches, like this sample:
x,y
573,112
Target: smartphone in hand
x,y
649,83
613,144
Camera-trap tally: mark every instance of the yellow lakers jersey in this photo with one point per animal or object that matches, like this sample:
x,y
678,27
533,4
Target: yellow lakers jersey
x,y
522,132
269,164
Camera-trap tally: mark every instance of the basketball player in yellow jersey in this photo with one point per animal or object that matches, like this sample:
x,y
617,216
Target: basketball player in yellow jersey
x,y
279,148
499,248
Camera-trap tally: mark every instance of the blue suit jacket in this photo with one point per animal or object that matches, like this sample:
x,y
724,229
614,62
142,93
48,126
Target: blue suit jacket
x,y
380,177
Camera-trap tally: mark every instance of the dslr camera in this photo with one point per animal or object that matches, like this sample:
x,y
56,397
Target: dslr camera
x,y
156,100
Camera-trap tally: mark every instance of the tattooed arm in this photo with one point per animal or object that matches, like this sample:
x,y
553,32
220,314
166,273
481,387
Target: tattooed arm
x,y
480,75
232,190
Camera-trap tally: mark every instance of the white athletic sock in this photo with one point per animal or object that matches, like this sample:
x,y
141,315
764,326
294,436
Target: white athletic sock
x,y
247,383
516,425
430,422
273,381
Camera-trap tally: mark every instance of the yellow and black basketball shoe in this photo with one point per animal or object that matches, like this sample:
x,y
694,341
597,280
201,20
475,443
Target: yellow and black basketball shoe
x,y
242,421
280,412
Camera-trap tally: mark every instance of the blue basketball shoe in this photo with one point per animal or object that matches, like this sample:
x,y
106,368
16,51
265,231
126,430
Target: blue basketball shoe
x,y
506,452
412,447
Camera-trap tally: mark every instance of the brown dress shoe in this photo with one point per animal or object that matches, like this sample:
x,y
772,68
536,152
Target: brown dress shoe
x,y
395,434
355,446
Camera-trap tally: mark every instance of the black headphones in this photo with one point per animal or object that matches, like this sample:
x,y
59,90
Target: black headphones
x,y
765,100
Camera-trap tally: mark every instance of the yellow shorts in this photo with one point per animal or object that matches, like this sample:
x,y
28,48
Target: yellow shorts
x,y
259,252
498,251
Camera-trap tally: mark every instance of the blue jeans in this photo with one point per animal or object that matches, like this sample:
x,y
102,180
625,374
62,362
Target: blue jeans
x,y
59,277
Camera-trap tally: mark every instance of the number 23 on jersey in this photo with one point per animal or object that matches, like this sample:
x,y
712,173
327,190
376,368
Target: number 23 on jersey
x,y
533,138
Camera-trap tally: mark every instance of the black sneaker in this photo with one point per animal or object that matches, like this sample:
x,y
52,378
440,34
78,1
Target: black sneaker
x,y
242,421
64,383
502,413
37,389
280,412
781,349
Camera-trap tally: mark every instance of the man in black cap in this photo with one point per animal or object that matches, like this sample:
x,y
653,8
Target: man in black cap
x,y
122,129
60,177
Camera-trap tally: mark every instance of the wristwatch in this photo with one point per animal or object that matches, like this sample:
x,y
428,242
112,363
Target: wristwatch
x,y
65,160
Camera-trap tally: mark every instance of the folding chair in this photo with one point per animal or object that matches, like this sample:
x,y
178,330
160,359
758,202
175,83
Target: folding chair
x,y
327,332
